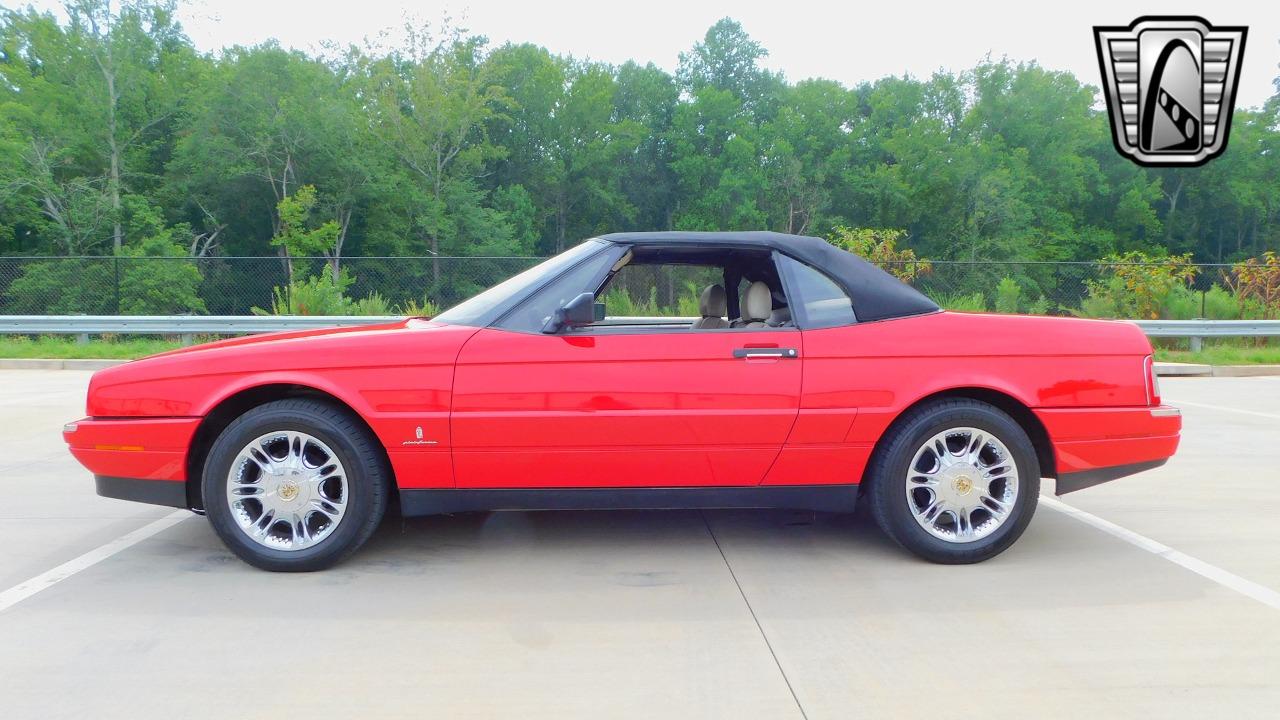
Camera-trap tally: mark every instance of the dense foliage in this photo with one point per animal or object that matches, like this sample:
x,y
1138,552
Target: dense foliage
x,y
117,137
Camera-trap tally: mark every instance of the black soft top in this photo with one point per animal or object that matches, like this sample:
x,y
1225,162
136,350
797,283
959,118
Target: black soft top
x,y
876,294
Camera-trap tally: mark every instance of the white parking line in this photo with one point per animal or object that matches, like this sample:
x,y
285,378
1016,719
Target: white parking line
x,y
1264,595
1273,416
49,578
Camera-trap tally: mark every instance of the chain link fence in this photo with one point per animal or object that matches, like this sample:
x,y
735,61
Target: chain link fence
x,y
1061,288
239,285
232,285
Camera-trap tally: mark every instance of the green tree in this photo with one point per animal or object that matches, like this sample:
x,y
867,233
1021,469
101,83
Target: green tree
x,y
716,164
647,95
299,233
118,139
728,59
95,98
429,104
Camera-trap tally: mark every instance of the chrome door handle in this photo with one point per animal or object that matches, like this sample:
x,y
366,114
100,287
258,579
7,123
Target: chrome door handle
x,y
752,352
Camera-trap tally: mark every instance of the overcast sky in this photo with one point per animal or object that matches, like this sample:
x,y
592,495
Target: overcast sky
x,y
845,41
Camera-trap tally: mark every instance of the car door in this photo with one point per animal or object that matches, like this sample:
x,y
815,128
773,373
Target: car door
x,y
825,446
620,407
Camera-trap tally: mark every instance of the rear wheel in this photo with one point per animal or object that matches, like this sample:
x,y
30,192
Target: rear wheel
x,y
294,485
955,482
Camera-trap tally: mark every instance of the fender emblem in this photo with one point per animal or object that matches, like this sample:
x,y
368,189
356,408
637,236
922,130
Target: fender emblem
x,y
417,433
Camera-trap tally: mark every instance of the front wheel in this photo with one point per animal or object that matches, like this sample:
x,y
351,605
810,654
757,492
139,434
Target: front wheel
x,y
956,481
294,485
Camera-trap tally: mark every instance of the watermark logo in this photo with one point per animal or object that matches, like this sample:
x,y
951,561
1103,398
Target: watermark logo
x,y
1170,84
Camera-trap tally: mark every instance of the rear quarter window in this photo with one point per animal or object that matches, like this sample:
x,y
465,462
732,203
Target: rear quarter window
x,y
823,303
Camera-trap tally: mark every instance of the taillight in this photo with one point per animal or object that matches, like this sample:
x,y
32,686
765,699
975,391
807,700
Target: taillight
x,y
1153,382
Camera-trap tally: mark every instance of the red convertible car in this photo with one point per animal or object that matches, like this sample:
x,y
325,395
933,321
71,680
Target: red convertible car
x,y
811,379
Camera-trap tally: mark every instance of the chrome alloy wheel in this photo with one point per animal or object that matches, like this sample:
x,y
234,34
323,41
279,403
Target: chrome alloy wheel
x,y
962,484
287,490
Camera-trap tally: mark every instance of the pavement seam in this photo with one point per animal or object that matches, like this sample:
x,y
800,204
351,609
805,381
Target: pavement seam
x,y
754,617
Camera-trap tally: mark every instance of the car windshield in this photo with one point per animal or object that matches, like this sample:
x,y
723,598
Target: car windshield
x,y
480,309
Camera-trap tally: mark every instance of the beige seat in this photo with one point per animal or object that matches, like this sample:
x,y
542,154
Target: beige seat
x,y
713,304
757,305
780,317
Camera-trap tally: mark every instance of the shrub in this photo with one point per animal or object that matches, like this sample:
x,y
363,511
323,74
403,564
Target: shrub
x,y
973,302
1186,304
373,304
413,308
1137,286
687,304
1181,304
156,279
618,301
63,287
319,295
1258,281
1222,304
1008,295
1105,299
880,246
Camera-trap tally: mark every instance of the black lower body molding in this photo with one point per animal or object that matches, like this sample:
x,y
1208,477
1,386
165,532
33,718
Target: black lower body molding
x,y
155,492
1071,482
821,498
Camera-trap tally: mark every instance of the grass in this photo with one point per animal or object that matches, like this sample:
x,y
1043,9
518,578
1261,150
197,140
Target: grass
x,y
1223,355
66,348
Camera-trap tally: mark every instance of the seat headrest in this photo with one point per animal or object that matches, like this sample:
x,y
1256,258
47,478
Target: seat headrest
x,y
758,303
713,302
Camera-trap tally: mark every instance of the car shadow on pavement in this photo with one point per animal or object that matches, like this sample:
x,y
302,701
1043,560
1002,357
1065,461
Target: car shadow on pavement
x,y
517,553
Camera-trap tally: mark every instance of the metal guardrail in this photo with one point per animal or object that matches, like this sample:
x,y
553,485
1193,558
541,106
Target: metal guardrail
x,y
191,325
1209,328
1198,330
187,326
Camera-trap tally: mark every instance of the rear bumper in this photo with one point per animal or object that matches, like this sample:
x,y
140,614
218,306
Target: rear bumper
x,y
1071,482
1095,445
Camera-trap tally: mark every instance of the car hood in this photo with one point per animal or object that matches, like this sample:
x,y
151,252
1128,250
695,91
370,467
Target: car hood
x,y
184,382
277,337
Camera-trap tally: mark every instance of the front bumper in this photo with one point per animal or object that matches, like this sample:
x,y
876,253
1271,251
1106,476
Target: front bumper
x,y
1096,445
142,459
154,492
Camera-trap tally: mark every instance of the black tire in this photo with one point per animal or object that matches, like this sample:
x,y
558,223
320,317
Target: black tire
x,y
890,465
367,482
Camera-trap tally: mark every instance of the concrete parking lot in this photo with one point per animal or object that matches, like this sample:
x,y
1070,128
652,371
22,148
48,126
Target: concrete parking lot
x,y
736,614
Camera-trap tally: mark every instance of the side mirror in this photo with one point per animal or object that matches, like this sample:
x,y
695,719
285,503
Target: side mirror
x,y
582,310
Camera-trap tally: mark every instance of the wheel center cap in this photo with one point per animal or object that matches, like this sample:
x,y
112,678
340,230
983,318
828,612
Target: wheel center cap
x,y
960,484
288,490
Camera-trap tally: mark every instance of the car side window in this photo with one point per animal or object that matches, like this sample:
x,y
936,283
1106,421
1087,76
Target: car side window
x,y
658,290
532,315
823,303
670,289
